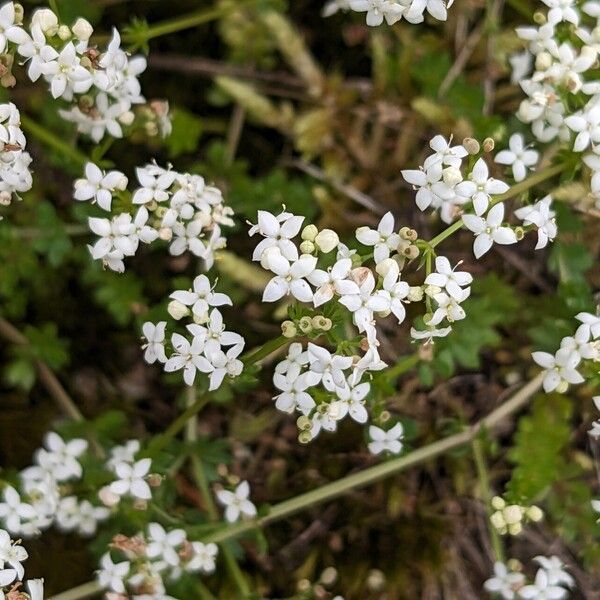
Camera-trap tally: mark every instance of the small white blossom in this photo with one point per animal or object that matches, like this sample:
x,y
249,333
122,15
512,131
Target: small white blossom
x,y
236,503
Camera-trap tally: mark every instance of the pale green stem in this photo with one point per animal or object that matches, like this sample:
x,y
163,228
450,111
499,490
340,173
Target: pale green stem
x,y
486,492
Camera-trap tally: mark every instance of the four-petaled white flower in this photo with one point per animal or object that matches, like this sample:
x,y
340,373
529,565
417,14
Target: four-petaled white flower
x,y
560,368
518,157
278,233
489,230
202,297
189,357
99,186
449,279
236,503
480,187
505,583
383,238
332,281
290,278
112,575
164,545
542,217
293,392
378,10
383,440
542,589
155,342
154,185
132,479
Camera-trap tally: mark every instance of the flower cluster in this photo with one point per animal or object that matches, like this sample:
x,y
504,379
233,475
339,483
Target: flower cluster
x,y
211,350
509,518
551,580
476,198
12,554
576,353
150,559
15,176
178,208
557,73
392,11
44,497
324,386
101,88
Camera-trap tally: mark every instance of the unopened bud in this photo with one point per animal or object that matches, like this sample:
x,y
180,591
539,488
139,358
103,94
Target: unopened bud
x,y
385,416
19,13
5,198
520,233
488,144
304,423
498,503
304,437
327,240
497,520
415,294
543,61
471,145
321,322
535,513
165,234
411,252
513,514
539,18
305,324
515,529
288,329
406,233
8,80
452,176
385,266
329,576
64,33
46,20
107,497
309,233
307,247
178,310
375,580
127,118
82,29
155,480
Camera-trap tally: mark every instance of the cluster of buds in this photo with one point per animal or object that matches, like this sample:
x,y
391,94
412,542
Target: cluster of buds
x,y
510,518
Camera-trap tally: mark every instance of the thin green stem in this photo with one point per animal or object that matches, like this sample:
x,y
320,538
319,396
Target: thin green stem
x,y
53,141
402,366
486,492
271,346
203,591
204,488
87,590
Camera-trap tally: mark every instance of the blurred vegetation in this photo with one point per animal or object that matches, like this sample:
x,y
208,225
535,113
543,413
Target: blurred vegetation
x,y
278,106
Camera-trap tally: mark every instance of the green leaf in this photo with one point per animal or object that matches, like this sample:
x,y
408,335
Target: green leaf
x,y
186,133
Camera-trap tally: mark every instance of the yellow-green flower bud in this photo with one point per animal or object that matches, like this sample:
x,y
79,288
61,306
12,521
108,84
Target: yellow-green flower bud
x,y
305,324
309,233
288,329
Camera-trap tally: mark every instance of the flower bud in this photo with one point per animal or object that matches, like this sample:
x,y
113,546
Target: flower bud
x,y
305,324
304,423
497,520
127,118
563,386
155,479
513,514
178,310
471,145
406,233
385,416
64,33
329,576
534,513
321,322
488,144
376,580
165,234
107,497
543,61
307,247
415,294
385,266
411,252
264,259
327,240
5,198
498,503
539,18
8,80
452,176
288,329
309,233
515,529
304,437
82,29
46,20
19,13
520,233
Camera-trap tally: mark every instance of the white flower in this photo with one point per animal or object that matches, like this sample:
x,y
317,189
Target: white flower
x,y
294,395
290,278
99,186
555,569
429,185
35,587
447,155
37,52
13,554
592,320
378,10
202,297
480,187
65,73
215,335
384,238
580,345
562,10
386,440
518,157
334,280
489,230
8,30
394,292
505,583
225,364
449,279
365,303
188,356
587,126
155,342
204,557
15,513
154,183
236,503
329,367
294,361
542,217
61,457
351,401
162,545
278,233
132,479
187,237
560,369
429,334
542,589
125,453
112,575
448,308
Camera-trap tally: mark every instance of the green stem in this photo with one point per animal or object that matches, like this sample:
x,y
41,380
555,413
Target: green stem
x,y
87,590
53,140
202,483
203,591
402,366
368,476
251,358
485,489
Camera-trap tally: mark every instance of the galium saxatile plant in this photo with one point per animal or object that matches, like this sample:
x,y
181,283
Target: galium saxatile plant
x,y
12,571
337,295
